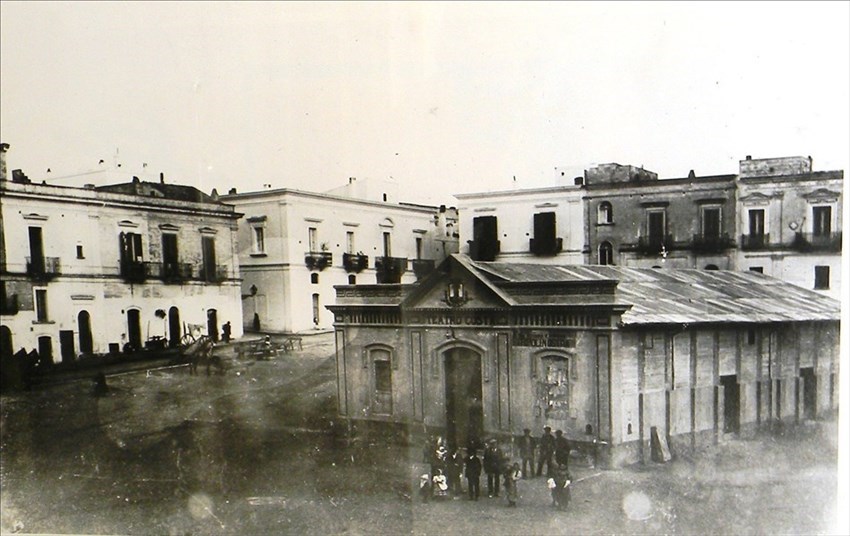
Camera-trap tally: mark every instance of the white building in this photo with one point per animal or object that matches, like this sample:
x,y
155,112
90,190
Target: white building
x,y
543,225
294,246
91,270
790,222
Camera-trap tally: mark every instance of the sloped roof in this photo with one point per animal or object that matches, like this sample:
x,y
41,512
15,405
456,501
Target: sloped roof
x,y
663,296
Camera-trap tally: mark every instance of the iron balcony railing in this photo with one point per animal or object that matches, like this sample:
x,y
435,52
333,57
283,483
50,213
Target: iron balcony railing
x,y
654,245
755,241
213,274
170,272
43,268
422,267
318,260
545,247
134,271
484,250
354,262
390,269
9,305
817,242
712,243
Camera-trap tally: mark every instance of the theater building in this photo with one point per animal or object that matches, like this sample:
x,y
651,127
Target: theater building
x,y
610,355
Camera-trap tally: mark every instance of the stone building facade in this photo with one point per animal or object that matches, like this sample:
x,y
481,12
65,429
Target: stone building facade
x,y
95,270
546,224
295,246
613,356
790,222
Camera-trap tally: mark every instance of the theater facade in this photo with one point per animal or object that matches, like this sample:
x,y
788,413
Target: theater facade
x,y
618,358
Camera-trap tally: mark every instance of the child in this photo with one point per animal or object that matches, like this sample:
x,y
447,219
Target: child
x,y
511,477
425,487
440,486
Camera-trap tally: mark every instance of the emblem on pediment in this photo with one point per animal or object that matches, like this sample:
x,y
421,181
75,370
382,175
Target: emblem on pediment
x,y
456,295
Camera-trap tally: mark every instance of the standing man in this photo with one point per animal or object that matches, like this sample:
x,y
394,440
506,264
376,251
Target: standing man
x,y
547,449
225,331
526,450
454,466
562,450
493,467
473,474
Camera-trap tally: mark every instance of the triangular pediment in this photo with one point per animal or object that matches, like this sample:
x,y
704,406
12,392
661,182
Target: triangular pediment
x,y
822,195
454,285
756,198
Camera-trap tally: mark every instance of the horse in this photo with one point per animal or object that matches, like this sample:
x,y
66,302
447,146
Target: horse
x,y
200,352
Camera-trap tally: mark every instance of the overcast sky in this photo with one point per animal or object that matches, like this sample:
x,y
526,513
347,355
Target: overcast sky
x,y
444,98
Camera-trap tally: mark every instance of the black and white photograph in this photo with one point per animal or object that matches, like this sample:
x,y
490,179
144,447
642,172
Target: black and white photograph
x,y
424,268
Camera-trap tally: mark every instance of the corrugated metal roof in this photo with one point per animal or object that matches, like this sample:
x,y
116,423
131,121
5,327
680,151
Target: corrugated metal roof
x,y
671,296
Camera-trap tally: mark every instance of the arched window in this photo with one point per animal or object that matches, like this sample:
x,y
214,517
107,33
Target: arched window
x,y
606,253
604,213
711,267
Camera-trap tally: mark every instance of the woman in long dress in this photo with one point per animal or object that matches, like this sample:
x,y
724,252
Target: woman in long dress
x,y
512,476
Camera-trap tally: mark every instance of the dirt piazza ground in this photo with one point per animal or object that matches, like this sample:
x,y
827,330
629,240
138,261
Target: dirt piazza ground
x,y
258,451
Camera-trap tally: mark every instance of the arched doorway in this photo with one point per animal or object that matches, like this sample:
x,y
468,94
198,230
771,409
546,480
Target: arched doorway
x,y
212,324
464,406
84,326
6,347
134,329
173,326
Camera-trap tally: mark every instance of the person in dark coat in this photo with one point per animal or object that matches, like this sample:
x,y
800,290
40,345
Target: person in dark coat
x,y
547,450
562,449
473,474
225,332
454,468
526,451
493,467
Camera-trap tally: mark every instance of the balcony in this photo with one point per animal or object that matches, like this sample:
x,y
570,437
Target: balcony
x,y
390,269
354,262
545,247
484,250
422,267
712,244
43,268
755,242
213,274
318,260
9,305
654,245
817,242
134,271
170,272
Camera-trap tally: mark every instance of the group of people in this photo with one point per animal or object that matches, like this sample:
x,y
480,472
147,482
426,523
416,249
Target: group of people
x,y
449,466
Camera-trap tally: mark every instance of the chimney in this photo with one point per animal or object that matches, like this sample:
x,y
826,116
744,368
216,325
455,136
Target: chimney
x,y
578,181
691,174
3,148
161,177
18,176
749,157
232,191
351,180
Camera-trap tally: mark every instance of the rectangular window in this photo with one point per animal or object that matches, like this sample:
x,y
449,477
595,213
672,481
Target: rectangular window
x,y
418,247
759,269
80,252
821,277
208,251
41,305
169,249
544,233
316,309
313,239
259,239
349,242
485,239
756,217
131,247
711,222
387,245
655,226
821,221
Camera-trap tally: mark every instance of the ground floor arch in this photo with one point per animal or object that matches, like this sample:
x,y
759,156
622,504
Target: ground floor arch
x,y
85,334
464,406
174,326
